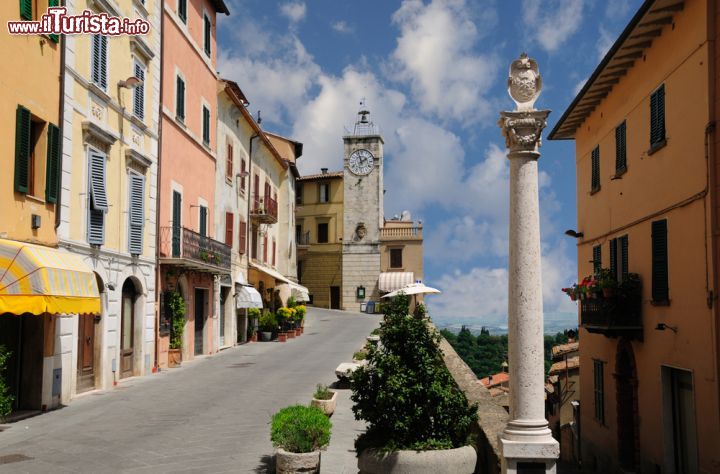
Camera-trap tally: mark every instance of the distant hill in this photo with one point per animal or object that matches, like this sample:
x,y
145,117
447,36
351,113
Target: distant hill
x,y
554,323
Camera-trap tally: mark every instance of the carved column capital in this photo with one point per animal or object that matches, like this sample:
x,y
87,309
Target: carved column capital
x,y
522,130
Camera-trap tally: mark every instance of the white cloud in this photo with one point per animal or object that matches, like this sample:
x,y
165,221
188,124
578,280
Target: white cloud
x,y
341,26
294,11
552,22
604,42
578,87
435,55
617,9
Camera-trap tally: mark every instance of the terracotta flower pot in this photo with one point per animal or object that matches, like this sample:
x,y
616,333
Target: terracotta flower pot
x,y
174,357
298,332
291,334
607,292
282,337
254,337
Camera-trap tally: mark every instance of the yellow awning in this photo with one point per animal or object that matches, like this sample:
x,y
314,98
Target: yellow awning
x,y
36,279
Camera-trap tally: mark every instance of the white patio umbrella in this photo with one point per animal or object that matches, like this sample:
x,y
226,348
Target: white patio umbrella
x,y
414,289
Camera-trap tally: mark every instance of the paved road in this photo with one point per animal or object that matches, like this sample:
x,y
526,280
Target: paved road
x,y
212,415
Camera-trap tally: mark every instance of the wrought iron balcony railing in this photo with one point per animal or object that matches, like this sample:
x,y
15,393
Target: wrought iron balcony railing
x,y
303,238
614,316
195,250
264,209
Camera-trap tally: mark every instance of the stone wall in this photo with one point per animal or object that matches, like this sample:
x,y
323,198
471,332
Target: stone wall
x,y
491,416
321,271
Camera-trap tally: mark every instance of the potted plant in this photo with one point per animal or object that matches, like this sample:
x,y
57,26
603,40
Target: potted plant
x,y
268,324
607,282
415,413
176,306
283,316
301,310
299,433
6,399
324,399
253,318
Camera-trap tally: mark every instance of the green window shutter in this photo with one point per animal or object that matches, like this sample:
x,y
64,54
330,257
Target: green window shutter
x,y
613,257
621,148
136,213
203,221
624,258
657,116
176,223
182,10
207,33
23,130
206,125
53,3
595,165
180,98
52,173
660,287
597,259
26,12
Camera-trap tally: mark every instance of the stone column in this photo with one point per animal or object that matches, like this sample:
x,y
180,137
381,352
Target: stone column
x,y
527,442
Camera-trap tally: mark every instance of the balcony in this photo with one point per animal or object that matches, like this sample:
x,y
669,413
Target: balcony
x,y
616,316
302,239
264,210
186,248
397,232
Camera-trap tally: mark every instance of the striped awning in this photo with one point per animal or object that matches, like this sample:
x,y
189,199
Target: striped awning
x,y
391,281
37,280
299,292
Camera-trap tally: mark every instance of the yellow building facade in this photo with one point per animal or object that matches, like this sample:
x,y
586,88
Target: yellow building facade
x,y
649,390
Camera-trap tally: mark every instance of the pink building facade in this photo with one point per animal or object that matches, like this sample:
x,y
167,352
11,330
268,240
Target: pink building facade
x,y
193,261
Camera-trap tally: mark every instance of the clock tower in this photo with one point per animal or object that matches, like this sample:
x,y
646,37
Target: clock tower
x,y
363,212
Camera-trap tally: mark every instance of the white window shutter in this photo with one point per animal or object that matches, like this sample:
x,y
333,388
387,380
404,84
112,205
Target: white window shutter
x,y
136,213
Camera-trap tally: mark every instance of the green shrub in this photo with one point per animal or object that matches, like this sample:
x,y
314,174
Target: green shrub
x,y
5,398
291,303
360,355
300,429
253,313
177,310
322,392
405,393
268,322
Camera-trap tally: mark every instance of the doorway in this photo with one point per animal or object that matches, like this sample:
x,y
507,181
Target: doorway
x,y
626,388
681,454
334,297
127,329
225,300
86,353
22,337
199,320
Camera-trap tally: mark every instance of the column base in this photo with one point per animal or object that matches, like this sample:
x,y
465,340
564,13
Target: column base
x,y
529,457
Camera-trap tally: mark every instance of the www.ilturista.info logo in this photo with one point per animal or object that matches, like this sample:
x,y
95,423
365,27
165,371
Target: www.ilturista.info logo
x,y
56,21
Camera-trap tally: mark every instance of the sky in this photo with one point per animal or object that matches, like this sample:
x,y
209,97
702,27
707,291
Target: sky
x,y
433,73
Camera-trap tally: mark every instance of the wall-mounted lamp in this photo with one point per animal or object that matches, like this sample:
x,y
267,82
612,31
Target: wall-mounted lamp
x,y
663,326
574,233
130,83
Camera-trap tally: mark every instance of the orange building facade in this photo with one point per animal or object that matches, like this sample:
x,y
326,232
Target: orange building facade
x,y
192,259
646,151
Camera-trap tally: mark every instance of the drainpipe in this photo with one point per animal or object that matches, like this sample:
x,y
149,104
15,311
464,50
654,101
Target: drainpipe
x,y
158,198
61,125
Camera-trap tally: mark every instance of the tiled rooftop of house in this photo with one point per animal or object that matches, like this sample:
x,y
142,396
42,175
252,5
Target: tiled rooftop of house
x,y
495,380
562,349
570,364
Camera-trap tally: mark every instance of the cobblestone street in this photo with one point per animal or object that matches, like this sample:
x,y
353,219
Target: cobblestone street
x,y
211,415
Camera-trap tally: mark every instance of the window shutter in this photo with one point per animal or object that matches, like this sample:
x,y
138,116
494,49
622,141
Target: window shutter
x,y
26,10
103,62
96,227
53,37
206,125
597,259
139,92
242,237
657,116
52,173
660,290
229,163
613,257
99,61
207,27
203,221
621,148
182,10
176,223
274,249
242,172
98,193
624,267
229,229
265,249
23,128
137,213
595,164
180,98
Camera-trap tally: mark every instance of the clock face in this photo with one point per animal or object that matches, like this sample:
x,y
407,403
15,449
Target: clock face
x,y
361,162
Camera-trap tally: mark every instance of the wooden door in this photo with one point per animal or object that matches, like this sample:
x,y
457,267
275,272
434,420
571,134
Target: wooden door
x,y
127,327
199,320
86,354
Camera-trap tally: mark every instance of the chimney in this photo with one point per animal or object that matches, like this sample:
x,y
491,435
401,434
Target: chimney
x,y
324,170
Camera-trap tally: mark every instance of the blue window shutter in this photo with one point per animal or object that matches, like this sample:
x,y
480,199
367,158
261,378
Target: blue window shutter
x,y
23,128
136,211
139,92
98,193
52,173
